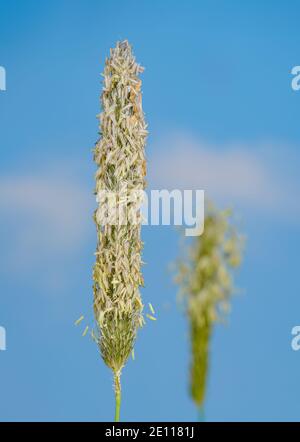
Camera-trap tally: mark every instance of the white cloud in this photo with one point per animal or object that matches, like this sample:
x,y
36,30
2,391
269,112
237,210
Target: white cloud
x,y
46,217
236,174
45,221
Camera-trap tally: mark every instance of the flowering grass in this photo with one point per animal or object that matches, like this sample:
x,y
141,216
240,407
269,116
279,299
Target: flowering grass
x,y
206,285
121,168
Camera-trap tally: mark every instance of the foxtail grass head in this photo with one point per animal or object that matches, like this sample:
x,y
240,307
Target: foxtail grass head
x,y
121,167
206,285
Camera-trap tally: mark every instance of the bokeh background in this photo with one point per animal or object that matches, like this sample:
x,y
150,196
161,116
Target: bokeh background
x,y
222,117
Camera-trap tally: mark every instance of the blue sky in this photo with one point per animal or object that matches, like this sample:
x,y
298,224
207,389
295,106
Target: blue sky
x,y
222,116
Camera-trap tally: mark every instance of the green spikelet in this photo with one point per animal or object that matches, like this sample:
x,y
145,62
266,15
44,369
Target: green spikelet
x,y
206,287
120,157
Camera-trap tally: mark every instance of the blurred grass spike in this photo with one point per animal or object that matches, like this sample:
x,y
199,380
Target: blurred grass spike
x,y
206,285
120,158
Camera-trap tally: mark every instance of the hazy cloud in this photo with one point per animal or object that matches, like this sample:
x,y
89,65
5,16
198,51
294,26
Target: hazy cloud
x,y
238,174
45,221
46,217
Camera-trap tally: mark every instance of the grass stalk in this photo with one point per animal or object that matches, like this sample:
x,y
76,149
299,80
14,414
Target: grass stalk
x,y
117,386
120,180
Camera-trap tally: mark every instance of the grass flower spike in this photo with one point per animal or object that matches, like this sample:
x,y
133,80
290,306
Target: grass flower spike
x,y
206,286
121,169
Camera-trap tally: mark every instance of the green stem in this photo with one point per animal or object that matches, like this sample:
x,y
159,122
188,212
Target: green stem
x,y
117,396
201,414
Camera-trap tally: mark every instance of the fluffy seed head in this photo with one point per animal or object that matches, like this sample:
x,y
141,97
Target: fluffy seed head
x,y
121,169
